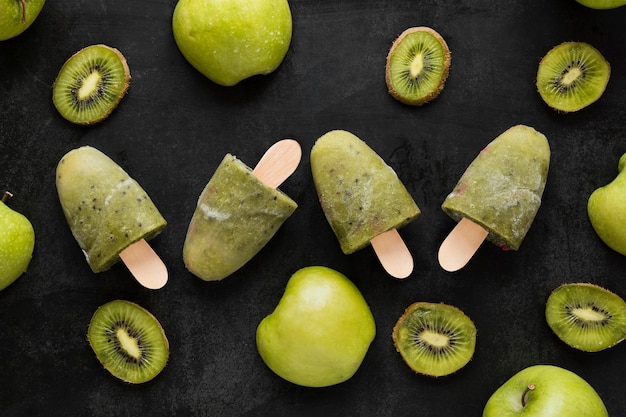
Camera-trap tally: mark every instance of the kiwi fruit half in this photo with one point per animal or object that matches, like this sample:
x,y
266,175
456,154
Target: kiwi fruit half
x,y
417,66
572,75
586,317
91,84
129,341
434,339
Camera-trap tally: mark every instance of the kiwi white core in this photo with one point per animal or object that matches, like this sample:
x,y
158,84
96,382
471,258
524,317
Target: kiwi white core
x,y
435,339
129,344
589,315
417,66
89,86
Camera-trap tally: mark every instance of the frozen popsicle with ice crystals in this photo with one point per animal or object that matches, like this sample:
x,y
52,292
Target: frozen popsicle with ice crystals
x,y
362,197
498,195
239,211
106,209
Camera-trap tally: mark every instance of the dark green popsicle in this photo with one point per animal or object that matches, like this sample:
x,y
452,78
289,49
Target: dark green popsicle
x,y
235,217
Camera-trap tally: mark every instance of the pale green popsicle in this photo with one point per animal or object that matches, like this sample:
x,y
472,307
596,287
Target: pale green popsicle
x,y
235,217
362,197
501,189
105,208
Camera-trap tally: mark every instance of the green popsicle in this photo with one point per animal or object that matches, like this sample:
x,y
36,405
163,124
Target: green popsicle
x,y
361,196
235,217
105,208
501,189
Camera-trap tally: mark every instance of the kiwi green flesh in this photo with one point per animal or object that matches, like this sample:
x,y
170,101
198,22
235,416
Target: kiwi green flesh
x,y
91,84
417,66
572,75
128,341
435,339
586,317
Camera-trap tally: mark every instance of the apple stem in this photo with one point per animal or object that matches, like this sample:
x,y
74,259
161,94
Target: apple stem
x,y
6,196
529,388
23,11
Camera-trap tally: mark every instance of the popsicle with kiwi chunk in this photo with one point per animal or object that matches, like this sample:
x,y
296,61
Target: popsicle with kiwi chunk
x,y
361,196
501,190
236,215
106,209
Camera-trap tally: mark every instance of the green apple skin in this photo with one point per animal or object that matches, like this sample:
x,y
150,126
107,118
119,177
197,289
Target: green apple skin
x,y
602,4
320,331
17,241
554,392
231,40
17,16
606,209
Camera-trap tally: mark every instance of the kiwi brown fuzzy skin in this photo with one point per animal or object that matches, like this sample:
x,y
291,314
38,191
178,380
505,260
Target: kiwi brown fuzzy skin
x,y
444,76
115,370
618,316
427,308
123,90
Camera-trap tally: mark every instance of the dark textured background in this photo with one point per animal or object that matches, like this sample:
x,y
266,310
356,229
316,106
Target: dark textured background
x,y
173,128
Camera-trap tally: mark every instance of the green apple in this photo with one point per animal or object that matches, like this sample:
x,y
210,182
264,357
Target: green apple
x,y
320,331
545,391
17,16
606,208
17,241
602,4
231,40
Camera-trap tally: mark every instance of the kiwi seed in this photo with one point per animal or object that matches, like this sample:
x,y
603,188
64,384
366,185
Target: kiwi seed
x,y
417,66
434,339
586,317
571,76
90,84
128,341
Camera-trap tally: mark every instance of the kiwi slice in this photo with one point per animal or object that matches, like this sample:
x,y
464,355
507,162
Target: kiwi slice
x,y
128,341
435,339
417,66
90,84
572,75
586,317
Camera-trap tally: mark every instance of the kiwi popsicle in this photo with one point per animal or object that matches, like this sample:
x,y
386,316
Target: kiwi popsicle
x,y
501,190
106,209
361,196
235,217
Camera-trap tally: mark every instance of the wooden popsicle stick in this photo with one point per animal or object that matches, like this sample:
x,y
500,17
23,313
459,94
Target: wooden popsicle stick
x,y
145,265
461,244
393,254
278,162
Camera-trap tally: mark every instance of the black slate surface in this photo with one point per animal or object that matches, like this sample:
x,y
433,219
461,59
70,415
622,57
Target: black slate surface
x,y
173,128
